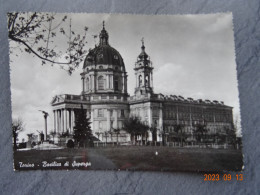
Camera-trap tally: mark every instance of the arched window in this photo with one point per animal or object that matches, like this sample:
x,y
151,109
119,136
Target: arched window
x,y
146,80
101,83
116,83
140,80
87,84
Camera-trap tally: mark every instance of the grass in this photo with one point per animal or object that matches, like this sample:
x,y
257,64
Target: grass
x,y
174,159
137,158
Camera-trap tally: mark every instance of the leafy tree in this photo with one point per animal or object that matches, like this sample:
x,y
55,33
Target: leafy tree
x,y
35,33
17,127
111,134
153,130
164,136
70,144
117,132
65,134
82,131
30,136
106,135
135,127
200,132
144,131
178,128
98,134
230,135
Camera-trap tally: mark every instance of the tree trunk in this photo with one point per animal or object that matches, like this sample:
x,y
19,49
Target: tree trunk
x,y
181,139
15,146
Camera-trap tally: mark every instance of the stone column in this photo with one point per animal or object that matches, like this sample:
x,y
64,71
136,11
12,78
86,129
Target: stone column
x,y
160,117
45,122
92,119
116,115
74,118
150,116
108,119
58,120
151,78
66,122
107,79
70,120
112,82
125,83
150,121
83,84
90,83
94,82
62,120
54,116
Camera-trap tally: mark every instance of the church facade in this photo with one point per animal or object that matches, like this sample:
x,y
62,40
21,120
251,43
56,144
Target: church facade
x,y
105,99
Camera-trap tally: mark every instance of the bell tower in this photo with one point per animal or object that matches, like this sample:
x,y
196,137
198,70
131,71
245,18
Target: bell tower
x,y
143,73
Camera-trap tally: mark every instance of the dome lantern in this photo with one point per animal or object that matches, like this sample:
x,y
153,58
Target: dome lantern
x,y
143,55
103,36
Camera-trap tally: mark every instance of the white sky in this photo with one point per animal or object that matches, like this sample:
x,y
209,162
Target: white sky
x,y
193,56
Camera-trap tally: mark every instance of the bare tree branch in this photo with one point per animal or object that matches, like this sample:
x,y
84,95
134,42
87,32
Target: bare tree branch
x,y
34,30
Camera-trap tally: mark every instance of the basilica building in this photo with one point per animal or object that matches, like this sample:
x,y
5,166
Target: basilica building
x,y
105,99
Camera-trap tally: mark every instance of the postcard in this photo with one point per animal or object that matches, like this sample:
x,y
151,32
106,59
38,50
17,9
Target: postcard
x,y
124,92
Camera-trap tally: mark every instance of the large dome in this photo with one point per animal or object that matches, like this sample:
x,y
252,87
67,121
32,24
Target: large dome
x,y
103,53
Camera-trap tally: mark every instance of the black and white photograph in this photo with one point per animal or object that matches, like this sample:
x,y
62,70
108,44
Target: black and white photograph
x,y
124,92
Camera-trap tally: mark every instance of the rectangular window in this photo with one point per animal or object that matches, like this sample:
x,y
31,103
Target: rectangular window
x,y
122,113
100,113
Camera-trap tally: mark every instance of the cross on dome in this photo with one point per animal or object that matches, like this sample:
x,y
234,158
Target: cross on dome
x,y
103,37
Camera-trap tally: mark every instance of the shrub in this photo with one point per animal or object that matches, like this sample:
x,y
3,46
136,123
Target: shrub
x,y
70,144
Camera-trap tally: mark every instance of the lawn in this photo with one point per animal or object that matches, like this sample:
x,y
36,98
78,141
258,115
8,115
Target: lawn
x,y
174,159
132,158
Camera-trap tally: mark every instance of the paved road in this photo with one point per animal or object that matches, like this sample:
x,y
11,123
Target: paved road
x,y
99,162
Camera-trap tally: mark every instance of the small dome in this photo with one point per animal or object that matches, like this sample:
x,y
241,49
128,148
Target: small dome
x,y
143,55
103,53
